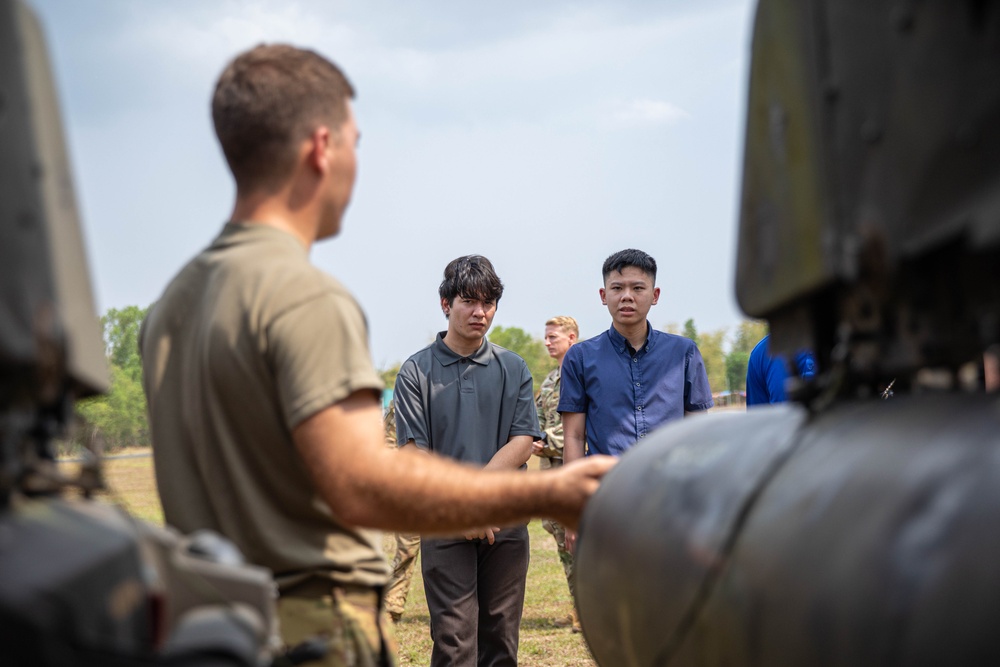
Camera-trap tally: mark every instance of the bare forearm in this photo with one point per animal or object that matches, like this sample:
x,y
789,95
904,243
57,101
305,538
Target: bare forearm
x,y
574,436
424,493
513,455
573,449
367,484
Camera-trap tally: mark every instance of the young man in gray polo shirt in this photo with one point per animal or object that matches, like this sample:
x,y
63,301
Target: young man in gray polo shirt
x,y
467,399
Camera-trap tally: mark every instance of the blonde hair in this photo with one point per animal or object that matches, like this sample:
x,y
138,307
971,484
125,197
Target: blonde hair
x,y
566,323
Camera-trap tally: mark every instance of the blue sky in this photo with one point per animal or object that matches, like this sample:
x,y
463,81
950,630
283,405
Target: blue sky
x,y
544,135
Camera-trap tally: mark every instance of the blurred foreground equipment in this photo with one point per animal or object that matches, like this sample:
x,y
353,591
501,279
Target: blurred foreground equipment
x,y
842,529
81,582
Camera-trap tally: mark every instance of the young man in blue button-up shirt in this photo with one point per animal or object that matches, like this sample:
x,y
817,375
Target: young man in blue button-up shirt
x,y
621,385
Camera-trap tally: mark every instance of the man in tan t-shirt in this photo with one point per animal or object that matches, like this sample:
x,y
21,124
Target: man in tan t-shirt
x,y
263,402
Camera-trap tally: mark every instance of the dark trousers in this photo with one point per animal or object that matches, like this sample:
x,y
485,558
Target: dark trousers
x,y
475,595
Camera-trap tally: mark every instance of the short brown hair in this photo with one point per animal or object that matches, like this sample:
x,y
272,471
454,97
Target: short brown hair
x,y
566,323
269,99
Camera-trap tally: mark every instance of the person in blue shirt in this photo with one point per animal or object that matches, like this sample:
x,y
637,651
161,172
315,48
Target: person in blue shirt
x,y
623,384
766,374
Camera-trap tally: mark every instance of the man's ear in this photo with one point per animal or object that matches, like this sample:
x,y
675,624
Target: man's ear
x,y
656,295
318,144
446,307
604,299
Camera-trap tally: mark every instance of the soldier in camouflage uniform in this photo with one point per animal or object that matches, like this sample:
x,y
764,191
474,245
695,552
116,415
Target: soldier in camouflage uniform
x,y
407,544
560,333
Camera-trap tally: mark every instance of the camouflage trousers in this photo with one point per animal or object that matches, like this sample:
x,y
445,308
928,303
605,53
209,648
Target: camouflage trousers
x,y
558,533
350,618
403,565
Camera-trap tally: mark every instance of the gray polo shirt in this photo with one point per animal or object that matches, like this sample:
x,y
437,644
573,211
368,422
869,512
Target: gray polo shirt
x,y
465,408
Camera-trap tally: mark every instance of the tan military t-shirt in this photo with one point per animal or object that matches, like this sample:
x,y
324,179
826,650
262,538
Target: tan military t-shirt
x,y
248,341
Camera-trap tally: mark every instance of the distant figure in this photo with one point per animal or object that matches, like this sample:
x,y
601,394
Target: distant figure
x,y
407,544
464,398
766,375
560,334
620,386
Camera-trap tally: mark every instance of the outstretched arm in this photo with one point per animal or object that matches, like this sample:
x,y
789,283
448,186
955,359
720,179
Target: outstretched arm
x,y
368,484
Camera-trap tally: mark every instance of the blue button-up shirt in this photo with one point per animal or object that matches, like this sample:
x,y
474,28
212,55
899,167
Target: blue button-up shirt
x,y
766,375
627,394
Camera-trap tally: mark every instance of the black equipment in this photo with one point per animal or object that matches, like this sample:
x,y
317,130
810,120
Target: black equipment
x,y
840,529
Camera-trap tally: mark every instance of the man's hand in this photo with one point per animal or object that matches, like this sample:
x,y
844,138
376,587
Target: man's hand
x,y
537,447
489,534
572,486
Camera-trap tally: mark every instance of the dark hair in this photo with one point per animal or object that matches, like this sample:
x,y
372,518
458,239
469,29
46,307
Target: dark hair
x,y
471,277
266,101
626,258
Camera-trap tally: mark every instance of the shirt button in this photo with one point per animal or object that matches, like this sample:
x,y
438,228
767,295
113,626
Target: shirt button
x,y
634,360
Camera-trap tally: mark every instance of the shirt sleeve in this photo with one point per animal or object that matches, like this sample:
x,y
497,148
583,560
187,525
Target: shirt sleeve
x,y
572,394
777,373
697,392
525,416
318,352
411,415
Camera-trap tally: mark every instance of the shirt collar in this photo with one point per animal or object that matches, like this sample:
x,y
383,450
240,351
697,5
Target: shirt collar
x,y
234,233
621,345
446,356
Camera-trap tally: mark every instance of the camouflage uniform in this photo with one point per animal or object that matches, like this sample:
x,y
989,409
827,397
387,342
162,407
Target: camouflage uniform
x,y
348,617
550,422
407,545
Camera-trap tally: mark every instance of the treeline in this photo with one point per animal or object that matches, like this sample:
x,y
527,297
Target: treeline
x,y
119,419
727,370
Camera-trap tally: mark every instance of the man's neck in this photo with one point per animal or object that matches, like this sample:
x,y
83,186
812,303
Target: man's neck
x,y
635,334
270,210
461,346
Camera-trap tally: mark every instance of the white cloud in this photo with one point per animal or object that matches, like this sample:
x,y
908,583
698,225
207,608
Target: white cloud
x,y
649,112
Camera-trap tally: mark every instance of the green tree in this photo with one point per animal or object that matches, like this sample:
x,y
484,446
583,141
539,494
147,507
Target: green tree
x,y
119,417
748,334
121,338
691,331
388,375
711,345
529,348
736,370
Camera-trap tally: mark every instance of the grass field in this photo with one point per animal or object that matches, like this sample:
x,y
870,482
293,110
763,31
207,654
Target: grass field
x,y
132,484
